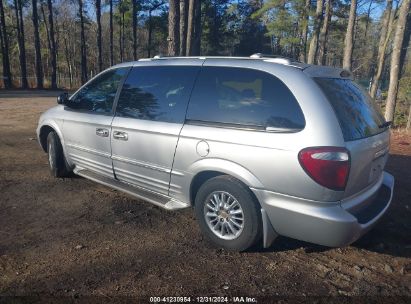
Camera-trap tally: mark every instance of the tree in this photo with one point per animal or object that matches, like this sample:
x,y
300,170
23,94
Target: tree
x,y
382,46
111,33
395,68
99,38
53,48
183,26
39,64
196,43
151,6
122,9
22,46
349,37
244,30
7,79
316,32
322,40
134,18
84,76
173,28
304,33
190,27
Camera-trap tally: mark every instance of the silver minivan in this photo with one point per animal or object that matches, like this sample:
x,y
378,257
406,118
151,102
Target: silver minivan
x,y
259,146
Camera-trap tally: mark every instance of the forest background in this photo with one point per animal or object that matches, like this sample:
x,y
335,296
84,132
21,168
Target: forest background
x,y
63,43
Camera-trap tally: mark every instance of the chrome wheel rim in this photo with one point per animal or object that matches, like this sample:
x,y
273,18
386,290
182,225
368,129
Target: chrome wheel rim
x,y
50,150
224,215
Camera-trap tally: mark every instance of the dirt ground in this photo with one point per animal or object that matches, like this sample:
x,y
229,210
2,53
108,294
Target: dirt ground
x,y
73,239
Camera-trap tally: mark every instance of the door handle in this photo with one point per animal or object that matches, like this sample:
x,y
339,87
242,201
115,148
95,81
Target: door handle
x,y
120,135
102,132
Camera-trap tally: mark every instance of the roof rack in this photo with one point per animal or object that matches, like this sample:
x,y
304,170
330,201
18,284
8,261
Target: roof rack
x,y
266,57
274,58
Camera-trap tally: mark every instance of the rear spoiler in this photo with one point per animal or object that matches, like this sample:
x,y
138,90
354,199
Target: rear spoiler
x,y
327,72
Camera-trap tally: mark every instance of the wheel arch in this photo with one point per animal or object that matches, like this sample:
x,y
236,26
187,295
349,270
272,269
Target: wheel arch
x,y
206,169
44,131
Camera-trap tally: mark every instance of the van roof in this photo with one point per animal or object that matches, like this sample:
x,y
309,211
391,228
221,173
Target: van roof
x,y
309,69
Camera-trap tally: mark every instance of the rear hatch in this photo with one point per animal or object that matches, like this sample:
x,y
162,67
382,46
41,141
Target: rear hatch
x,y
364,129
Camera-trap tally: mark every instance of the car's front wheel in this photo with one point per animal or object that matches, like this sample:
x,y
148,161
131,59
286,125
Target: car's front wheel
x,y
228,214
57,162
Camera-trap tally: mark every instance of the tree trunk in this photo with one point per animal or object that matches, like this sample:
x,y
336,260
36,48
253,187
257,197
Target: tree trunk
x,y
21,42
99,39
53,49
120,39
39,65
314,40
173,28
196,45
5,49
190,27
122,35
349,36
134,18
304,33
367,21
395,69
183,26
48,39
150,33
405,44
322,40
382,46
68,61
111,34
84,76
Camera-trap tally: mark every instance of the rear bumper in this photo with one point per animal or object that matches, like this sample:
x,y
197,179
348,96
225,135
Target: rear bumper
x,y
333,224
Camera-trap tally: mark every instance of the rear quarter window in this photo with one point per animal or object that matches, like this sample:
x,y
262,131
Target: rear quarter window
x,y
244,97
356,112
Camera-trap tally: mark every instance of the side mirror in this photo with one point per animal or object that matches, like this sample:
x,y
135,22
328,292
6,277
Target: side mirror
x,y
62,98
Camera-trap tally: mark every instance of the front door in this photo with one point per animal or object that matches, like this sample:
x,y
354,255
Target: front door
x,y
87,123
149,117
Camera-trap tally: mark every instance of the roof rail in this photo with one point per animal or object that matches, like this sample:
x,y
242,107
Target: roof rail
x,y
273,58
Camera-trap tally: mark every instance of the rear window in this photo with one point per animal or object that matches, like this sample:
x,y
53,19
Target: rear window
x,y
245,97
358,115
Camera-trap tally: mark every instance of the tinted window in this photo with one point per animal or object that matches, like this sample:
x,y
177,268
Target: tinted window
x,y
245,97
356,112
157,93
99,94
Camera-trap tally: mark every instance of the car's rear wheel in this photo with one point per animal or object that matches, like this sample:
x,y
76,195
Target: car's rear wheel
x,y
57,162
228,214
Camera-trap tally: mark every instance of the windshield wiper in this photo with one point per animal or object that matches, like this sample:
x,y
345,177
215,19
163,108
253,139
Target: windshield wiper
x,y
385,124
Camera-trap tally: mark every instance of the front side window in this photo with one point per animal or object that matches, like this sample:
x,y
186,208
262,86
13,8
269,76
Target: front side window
x,y
242,96
158,93
98,95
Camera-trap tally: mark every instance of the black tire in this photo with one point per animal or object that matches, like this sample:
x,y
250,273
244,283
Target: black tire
x,y
251,232
57,162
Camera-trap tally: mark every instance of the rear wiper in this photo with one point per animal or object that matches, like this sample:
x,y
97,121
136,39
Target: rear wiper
x,y
385,124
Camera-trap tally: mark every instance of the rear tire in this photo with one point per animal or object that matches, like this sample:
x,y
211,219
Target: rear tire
x,y
57,161
228,214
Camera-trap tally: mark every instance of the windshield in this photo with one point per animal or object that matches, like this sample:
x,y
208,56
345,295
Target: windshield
x,y
358,115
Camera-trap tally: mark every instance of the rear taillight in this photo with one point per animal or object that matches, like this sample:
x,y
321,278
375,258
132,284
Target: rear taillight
x,y
328,166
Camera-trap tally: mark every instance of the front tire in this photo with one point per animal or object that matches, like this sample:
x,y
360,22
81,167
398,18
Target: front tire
x,y
57,162
228,214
